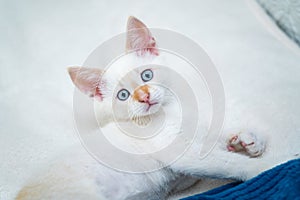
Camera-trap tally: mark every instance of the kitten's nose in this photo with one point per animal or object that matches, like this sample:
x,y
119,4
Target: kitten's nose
x,y
145,98
141,94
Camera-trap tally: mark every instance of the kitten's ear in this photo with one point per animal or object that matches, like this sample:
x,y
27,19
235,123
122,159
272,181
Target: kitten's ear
x,y
87,80
139,37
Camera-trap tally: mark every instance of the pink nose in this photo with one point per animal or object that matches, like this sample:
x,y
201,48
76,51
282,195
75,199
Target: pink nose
x,y
145,98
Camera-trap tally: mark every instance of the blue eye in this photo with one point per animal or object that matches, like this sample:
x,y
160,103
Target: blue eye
x,y
123,94
147,75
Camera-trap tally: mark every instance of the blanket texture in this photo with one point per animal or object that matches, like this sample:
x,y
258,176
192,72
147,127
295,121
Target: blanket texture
x,y
286,15
281,182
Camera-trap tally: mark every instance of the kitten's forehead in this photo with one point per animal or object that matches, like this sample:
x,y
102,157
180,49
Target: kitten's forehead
x,y
128,68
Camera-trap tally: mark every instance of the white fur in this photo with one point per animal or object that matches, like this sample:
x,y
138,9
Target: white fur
x,y
77,175
80,175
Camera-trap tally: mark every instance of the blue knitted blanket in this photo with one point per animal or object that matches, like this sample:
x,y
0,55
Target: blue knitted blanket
x,y
281,182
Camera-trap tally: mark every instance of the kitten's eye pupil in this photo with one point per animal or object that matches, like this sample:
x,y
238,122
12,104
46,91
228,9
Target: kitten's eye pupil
x,y
147,75
123,94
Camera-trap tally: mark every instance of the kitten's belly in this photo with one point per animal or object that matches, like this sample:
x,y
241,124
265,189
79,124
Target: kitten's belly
x,y
79,176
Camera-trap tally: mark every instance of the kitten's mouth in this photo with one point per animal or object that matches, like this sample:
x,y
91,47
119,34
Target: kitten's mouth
x,y
150,105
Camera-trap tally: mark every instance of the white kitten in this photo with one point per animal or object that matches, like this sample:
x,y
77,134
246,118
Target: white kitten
x,y
134,88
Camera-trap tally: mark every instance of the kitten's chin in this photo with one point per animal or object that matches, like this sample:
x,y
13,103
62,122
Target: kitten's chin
x,y
151,109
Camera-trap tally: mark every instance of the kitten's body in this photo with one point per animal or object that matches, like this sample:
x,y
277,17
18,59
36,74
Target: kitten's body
x,y
77,175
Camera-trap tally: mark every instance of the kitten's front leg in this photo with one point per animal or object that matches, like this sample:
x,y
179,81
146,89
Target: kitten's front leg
x,y
220,164
246,142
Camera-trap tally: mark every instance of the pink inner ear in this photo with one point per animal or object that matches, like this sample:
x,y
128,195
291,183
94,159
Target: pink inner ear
x,y
152,46
87,80
139,38
98,95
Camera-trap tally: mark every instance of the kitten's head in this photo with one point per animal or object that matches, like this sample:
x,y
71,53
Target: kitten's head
x,y
134,88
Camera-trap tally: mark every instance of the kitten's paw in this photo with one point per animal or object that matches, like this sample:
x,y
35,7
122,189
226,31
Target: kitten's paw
x,y
246,142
